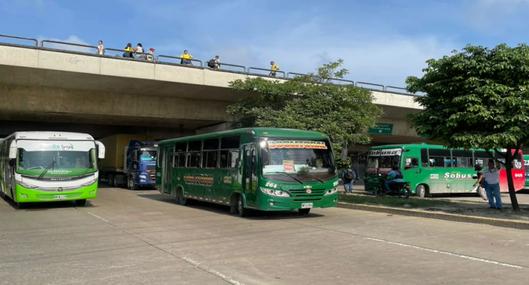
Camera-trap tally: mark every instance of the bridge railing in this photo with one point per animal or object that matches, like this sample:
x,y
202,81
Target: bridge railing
x,y
231,68
18,41
77,48
262,72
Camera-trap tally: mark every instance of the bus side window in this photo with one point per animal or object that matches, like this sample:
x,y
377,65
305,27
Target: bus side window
x,y
424,157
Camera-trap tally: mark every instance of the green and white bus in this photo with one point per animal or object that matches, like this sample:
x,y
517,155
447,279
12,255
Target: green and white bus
x,y
435,169
265,169
49,166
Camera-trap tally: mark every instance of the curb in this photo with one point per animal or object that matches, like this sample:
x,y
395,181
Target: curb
x,y
437,215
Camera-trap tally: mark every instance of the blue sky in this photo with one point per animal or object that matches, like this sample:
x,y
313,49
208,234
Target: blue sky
x,y
380,41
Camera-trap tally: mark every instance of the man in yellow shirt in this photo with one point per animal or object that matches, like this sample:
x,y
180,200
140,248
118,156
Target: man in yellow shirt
x,y
273,68
186,57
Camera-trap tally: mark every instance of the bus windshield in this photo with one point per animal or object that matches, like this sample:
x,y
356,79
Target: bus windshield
x,y
386,158
148,155
56,163
297,157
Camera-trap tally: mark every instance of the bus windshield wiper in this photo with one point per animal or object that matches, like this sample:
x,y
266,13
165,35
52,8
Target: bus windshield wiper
x,y
51,165
286,174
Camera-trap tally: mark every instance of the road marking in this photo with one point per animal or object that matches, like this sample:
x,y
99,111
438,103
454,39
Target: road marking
x,y
214,272
196,264
98,217
478,259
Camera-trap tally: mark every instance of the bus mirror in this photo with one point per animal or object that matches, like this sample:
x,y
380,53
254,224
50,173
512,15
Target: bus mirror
x,y
12,162
100,150
13,150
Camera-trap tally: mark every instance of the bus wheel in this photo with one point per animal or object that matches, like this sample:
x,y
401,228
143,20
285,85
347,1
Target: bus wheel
x,y
421,191
130,183
237,206
80,203
303,212
110,178
180,199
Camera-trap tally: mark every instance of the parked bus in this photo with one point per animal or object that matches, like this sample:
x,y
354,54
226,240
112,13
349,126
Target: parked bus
x,y
255,168
49,166
435,169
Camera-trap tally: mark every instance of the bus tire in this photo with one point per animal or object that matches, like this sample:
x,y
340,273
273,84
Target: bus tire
x,y
421,191
180,199
237,206
110,179
80,203
303,212
130,183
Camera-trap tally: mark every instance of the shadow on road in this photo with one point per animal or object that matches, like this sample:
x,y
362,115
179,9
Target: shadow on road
x,y
42,206
225,210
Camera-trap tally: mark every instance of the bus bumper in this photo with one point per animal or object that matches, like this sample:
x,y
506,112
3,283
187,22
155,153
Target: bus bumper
x,y
269,203
25,195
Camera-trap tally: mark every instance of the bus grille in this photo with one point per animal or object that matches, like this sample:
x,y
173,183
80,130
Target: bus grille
x,y
300,195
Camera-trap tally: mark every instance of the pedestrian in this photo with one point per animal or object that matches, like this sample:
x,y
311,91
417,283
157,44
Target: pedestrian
x,y
100,48
491,182
348,179
138,51
150,55
128,50
274,68
214,63
186,57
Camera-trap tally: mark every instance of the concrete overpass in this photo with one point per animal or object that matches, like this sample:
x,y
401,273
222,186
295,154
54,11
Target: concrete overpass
x,y
49,89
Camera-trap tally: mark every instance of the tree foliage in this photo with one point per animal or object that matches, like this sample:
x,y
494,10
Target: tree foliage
x,y
477,97
310,102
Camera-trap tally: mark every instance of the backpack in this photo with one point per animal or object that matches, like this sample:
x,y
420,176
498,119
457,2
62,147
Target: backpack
x,y
211,63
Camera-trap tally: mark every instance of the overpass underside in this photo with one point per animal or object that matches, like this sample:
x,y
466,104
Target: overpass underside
x,y
51,90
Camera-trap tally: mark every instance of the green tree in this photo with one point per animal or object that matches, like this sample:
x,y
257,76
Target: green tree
x,y
477,97
343,112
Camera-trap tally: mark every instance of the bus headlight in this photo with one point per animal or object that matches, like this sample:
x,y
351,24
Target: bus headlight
x,y
331,191
273,192
143,176
90,182
25,185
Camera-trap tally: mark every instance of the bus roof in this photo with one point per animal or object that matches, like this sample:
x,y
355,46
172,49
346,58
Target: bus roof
x,y
407,146
50,136
258,132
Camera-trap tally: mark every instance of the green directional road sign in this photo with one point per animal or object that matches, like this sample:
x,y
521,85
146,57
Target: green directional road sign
x,y
381,129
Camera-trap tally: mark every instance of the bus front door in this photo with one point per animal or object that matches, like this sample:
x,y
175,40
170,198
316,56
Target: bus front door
x,y
250,174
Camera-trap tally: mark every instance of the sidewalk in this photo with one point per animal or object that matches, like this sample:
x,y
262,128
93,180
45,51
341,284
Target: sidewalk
x,y
463,208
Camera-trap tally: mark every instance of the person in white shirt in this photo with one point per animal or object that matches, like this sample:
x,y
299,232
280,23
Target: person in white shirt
x,y
491,183
138,51
100,48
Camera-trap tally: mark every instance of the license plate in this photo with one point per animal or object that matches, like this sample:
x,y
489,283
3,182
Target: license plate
x,y
306,205
60,197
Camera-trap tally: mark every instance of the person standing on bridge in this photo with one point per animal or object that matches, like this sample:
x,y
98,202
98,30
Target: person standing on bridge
x,y
100,48
274,68
138,51
186,57
214,63
128,50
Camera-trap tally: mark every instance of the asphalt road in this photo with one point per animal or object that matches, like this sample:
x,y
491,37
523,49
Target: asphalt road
x,y
138,237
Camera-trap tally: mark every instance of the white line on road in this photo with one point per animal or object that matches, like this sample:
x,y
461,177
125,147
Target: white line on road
x,y
98,217
446,253
214,272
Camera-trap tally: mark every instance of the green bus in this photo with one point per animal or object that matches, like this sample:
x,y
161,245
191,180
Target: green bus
x,y
434,169
49,166
267,169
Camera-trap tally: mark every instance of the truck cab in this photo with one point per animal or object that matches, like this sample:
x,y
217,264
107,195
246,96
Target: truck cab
x,y
140,161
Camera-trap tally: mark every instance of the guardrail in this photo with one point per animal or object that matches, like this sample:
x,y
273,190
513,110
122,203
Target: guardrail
x,y
169,59
14,40
231,68
378,87
255,71
195,63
